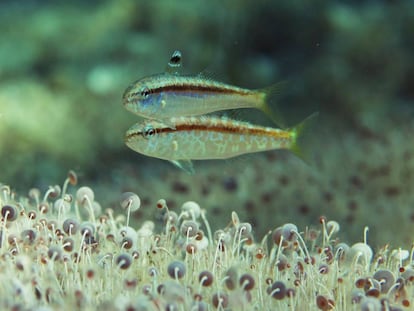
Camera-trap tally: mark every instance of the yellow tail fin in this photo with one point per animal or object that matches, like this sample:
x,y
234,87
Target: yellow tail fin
x,y
300,131
268,105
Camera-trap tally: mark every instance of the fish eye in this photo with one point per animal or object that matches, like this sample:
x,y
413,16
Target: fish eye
x,y
148,131
145,92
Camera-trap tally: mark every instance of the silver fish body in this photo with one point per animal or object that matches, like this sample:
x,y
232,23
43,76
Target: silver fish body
x,y
201,138
163,96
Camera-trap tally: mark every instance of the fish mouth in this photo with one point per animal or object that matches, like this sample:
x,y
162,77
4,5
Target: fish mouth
x,y
126,101
128,98
129,93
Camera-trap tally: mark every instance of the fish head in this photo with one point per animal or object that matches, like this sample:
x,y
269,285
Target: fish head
x,y
144,138
141,98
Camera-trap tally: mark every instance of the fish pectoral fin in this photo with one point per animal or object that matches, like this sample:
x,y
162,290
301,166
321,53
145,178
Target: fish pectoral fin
x,y
185,165
174,65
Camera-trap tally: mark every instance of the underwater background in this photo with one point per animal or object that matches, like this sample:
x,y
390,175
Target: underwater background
x,y
64,66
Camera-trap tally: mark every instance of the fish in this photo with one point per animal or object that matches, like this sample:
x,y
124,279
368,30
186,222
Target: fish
x,y
208,137
171,94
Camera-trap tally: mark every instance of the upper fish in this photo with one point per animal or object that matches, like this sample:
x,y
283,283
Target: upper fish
x,y
170,94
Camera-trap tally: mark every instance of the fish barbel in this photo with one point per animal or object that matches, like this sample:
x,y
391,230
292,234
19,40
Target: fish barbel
x,y
170,94
201,138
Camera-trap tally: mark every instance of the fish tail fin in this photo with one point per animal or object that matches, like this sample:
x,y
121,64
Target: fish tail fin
x,y
268,104
300,133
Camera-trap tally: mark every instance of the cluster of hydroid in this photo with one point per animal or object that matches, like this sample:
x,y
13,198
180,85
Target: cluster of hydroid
x,y
62,250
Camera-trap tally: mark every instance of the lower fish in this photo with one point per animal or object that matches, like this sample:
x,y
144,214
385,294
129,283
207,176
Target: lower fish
x,y
208,137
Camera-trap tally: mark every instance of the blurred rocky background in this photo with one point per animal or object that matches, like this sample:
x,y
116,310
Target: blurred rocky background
x,y
64,66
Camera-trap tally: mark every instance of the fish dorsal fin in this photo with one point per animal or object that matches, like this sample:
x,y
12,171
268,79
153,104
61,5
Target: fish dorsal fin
x,y
235,114
208,75
212,75
174,65
185,165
